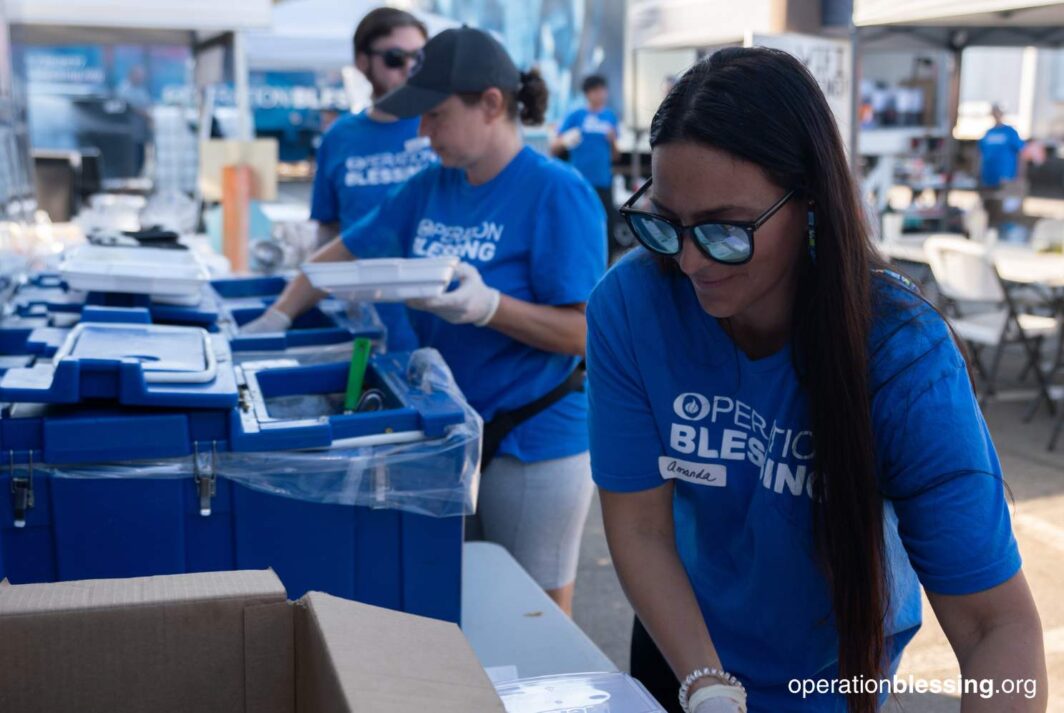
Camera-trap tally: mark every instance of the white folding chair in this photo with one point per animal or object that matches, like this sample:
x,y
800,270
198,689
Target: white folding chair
x,y
908,248
977,223
1047,234
983,313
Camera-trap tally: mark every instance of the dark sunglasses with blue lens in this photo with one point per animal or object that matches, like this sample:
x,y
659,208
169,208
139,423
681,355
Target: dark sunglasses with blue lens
x,y
723,241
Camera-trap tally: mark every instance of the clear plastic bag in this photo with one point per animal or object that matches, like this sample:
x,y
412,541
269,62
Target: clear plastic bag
x,y
437,477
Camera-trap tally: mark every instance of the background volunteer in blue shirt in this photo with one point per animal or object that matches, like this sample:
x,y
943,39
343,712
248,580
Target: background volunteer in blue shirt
x,y
526,228
784,433
999,152
589,135
363,156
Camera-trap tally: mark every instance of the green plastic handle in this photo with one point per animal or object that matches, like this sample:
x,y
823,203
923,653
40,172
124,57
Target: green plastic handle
x,y
357,373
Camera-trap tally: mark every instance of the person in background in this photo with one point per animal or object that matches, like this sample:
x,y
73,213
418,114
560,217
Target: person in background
x,y
589,134
363,156
784,431
524,227
133,90
999,152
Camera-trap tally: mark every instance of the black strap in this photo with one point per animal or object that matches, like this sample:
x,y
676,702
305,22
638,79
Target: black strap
x,y
504,422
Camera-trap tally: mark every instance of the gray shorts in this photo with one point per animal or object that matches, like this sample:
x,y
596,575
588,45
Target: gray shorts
x,y
537,512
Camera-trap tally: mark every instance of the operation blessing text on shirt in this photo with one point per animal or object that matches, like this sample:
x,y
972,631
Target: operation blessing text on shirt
x,y
386,168
477,242
748,437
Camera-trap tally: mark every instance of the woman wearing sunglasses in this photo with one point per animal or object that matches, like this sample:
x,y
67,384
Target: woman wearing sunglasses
x,y
783,432
527,229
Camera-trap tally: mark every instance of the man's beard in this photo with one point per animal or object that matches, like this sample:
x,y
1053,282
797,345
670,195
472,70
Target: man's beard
x,y
379,89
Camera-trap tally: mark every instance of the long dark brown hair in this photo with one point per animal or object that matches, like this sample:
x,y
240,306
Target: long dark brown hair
x,y
764,107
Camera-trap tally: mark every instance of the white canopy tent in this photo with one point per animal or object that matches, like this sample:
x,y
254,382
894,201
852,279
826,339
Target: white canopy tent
x,y
315,34
963,23
138,14
665,36
955,25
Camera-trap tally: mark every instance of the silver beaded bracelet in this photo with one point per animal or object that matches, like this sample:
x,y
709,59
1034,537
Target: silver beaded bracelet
x,y
698,673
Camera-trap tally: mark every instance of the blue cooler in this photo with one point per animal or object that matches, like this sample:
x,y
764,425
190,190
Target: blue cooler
x,y
143,450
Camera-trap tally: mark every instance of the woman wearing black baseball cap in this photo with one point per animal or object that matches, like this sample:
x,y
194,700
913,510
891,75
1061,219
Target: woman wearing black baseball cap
x,y
527,229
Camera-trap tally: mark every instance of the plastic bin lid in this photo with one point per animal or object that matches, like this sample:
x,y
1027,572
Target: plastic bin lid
x,y
162,351
584,692
133,364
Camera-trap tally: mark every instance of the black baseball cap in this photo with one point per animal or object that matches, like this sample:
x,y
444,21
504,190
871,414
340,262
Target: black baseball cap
x,y
456,61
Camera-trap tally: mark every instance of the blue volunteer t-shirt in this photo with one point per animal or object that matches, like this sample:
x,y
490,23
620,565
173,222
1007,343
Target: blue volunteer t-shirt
x,y
359,161
593,156
532,232
673,399
999,149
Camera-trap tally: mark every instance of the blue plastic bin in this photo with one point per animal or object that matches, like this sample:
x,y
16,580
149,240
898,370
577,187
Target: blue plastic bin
x,y
173,488
321,334
104,528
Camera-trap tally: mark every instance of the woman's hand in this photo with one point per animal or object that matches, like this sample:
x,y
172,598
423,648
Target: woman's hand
x,y
719,705
272,320
472,302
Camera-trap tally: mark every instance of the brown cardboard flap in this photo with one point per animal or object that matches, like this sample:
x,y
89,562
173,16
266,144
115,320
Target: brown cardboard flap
x,y
269,659
95,594
382,660
160,644
318,688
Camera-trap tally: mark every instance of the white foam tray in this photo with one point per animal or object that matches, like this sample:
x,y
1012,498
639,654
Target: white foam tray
x,y
171,275
386,280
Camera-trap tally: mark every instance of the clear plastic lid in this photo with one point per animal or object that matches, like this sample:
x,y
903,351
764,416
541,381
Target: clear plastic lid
x,y
578,693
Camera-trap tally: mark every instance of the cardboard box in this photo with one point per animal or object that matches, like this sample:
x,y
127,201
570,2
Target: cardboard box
x,y
225,642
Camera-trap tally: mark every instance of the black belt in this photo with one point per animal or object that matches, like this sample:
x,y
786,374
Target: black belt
x,y
504,422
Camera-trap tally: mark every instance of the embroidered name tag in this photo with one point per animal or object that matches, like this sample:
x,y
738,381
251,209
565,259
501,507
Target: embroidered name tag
x,y
712,474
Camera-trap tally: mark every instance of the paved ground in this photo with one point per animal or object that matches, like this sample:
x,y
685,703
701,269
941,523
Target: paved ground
x,y
1036,478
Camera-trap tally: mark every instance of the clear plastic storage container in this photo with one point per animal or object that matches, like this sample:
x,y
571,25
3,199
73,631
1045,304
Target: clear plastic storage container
x,y
578,693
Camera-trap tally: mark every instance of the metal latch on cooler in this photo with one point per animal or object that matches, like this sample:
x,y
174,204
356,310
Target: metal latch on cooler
x,y
21,490
204,467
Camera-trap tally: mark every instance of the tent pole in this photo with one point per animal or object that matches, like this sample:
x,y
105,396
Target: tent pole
x,y
636,160
245,121
952,115
855,101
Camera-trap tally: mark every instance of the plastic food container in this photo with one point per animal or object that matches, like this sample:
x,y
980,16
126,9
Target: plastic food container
x,y
174,276
387,280
578,693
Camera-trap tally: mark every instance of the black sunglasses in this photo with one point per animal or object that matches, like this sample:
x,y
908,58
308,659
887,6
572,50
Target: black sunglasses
x,y
727,242
396,58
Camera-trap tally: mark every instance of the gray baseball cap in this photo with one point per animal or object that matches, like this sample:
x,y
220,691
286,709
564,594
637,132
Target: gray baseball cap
x,y
456,61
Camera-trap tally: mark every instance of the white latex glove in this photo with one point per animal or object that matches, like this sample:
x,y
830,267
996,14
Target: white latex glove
x,y
472,302
572,138
272,320
718,705
718,699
